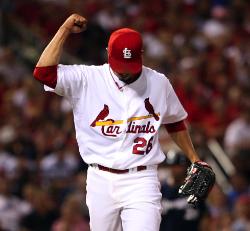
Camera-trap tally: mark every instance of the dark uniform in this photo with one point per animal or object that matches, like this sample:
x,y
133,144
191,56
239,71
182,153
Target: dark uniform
x,y
177,214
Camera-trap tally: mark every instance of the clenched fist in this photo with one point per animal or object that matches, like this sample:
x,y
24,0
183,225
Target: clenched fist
x,y
75,23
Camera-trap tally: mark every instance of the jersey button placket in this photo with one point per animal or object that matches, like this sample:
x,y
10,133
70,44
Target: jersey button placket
x,y
125,96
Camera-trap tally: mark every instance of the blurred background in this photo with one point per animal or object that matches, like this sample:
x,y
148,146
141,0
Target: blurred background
x,y
202,46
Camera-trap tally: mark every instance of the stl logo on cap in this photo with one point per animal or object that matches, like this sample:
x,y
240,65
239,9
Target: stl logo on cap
x,y
127,53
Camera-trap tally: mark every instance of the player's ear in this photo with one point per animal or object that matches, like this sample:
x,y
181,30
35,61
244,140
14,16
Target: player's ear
x,y
107,51
142,52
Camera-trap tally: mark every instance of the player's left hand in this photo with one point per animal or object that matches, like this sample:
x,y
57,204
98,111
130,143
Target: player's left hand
x,y
198,183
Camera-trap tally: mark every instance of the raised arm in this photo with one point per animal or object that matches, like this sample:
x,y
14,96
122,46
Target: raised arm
x,y
46,67
52,53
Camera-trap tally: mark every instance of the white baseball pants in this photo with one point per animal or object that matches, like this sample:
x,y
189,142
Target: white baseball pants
x,y
124,202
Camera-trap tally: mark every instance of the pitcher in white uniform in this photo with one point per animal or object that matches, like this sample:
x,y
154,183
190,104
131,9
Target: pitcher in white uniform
x,y
118,108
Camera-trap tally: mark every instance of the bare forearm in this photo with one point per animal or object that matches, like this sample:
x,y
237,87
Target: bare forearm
x,y
183,140
52,53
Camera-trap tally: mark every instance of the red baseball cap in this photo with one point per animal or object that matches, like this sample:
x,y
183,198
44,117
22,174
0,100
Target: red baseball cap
x,y
125,51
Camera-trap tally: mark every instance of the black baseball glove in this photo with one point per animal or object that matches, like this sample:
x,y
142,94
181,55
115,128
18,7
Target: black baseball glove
x,y
199,181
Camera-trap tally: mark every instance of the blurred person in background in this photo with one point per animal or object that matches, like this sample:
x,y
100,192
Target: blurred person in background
x,y
8,163
73,216
242,162
60,164
12,209
58,170
242,214
177,214
237,134
240,186
218,208
43,213
10,67
78,185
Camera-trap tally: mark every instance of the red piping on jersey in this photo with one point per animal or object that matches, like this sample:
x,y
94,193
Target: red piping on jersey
x,y
176,127
46,75
119,87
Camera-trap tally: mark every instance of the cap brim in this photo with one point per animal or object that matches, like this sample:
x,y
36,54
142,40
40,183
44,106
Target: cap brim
x,y
130,66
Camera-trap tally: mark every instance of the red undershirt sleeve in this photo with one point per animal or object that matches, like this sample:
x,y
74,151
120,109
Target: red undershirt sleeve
x,y
46,75
176,127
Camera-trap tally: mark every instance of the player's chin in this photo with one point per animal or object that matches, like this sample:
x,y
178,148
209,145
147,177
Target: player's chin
x,y
127,77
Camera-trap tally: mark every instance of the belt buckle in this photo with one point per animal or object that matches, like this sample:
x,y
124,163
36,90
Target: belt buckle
x,y
140,168
94,165
131,170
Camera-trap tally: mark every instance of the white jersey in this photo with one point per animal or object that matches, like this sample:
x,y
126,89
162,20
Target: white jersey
x,y
116,123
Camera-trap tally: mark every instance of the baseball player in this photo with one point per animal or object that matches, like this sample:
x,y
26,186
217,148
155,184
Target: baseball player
x,y
118,108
